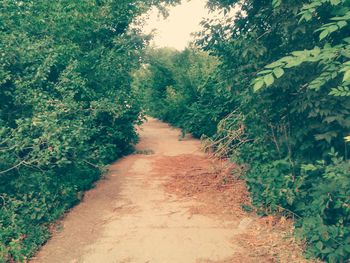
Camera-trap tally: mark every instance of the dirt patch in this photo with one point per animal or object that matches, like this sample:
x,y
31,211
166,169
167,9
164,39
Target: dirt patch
x,y
221,194
205,180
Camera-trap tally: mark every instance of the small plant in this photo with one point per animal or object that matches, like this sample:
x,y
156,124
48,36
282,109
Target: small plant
x,y
144,151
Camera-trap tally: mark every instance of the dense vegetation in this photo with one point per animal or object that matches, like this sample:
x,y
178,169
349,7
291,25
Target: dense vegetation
x,y
174,86
66,107
273,95
267,88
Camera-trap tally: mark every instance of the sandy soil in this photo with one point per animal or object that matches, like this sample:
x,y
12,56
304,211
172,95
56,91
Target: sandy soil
x,y
170,203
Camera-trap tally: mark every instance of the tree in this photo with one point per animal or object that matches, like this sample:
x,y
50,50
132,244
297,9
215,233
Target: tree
x,y
66,107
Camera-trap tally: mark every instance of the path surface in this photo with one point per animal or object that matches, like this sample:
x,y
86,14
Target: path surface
x,y
132,217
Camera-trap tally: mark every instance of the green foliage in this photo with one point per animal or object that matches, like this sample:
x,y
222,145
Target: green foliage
x,y
325,208
270,90
178,87
66,107
292,125
332,59
280,100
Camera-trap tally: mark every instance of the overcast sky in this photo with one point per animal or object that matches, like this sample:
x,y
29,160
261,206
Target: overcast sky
x,y
176,30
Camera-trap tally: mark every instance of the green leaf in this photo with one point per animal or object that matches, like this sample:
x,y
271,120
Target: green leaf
x,y
258,85
278,72
306,15
332,28
335,2
294,62
309,167
346,76
276,3
324,34
347,248
269,80
319,245
274,65
342,24
263,72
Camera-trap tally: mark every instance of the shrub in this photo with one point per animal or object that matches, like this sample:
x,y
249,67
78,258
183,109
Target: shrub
x,y
275,100
66,107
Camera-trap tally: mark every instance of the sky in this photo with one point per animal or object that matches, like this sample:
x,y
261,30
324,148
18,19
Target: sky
x,y
175,31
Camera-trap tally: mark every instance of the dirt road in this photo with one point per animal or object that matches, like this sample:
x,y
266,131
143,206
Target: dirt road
x,y
166,204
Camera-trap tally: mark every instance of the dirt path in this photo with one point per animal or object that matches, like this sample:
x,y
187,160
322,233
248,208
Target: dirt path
x,y
168,204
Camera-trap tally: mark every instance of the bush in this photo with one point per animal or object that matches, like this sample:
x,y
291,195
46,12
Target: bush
x,y
178,87
66,107
276,100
